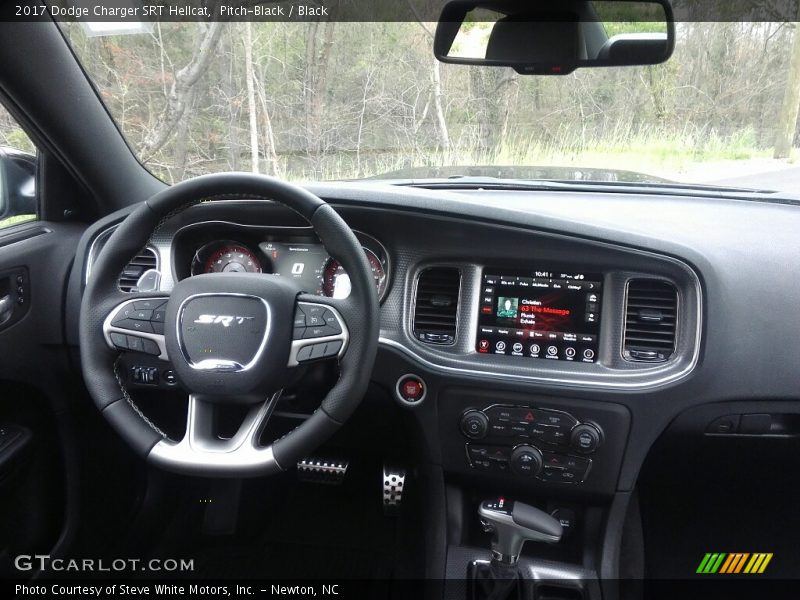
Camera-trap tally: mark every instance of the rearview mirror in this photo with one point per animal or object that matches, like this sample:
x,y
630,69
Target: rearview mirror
x,y
555,38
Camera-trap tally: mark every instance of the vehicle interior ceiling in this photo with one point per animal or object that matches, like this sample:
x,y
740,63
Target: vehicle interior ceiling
x,y
662,423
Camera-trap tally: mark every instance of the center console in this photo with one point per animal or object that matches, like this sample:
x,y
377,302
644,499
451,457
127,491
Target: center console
x,y
533,440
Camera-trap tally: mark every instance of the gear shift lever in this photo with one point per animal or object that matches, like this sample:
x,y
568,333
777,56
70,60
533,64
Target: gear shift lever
x,y
514,523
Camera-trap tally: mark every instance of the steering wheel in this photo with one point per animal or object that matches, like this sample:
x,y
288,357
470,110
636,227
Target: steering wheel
x,y
231,338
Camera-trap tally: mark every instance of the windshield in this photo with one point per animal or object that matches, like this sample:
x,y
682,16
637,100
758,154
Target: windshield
x,y
330,101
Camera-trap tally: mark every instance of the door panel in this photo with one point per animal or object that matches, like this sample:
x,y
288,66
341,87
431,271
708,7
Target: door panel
x,y
36,383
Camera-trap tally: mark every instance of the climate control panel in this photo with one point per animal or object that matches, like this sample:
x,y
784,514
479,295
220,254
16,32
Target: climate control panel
x,y
545,444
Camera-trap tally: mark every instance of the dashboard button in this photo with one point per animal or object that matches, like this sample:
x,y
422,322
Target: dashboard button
x,y
588,354
550,473
526,460
474,424
569,352
411,388
534,349
552,350
519,429
585,438
556,435
499,428
548,417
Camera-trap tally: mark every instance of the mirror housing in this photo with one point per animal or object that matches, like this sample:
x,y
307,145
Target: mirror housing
x,y
548,38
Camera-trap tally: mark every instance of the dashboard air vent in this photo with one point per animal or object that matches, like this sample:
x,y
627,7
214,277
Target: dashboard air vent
x,y
436,308
146,259
650,320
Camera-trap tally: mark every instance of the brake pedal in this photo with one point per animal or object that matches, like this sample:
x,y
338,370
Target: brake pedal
x,y
322,470
394,480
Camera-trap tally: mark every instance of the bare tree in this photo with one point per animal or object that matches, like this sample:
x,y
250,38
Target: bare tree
x,y
179,93
787,121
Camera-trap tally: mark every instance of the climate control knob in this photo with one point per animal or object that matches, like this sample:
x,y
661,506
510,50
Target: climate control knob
x,y
474,424
585,438
526,460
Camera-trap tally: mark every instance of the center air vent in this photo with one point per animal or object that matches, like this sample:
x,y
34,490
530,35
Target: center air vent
x,y
436,308
650,320
146,259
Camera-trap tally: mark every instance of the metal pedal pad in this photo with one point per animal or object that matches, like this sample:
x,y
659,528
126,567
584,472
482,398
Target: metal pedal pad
x,y
322,470
394,480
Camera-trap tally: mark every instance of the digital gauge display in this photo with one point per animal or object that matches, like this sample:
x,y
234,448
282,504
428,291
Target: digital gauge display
x,y
301,262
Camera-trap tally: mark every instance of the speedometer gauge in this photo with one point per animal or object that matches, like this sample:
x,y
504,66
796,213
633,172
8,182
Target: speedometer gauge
x,y
232,258
336,282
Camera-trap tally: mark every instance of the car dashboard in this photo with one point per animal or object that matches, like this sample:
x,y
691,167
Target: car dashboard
x,y
539,341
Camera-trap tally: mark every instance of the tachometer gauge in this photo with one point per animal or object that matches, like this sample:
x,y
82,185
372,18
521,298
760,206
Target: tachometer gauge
x,y
232,258
336,282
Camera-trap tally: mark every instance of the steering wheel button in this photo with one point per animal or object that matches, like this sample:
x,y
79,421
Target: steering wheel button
x,y
157,327
119,340
150,347
134,325
141,315
304,354
331,321
158,315
122,314
317,351
298,333
317,332
135,343
151,304
332,348
299,319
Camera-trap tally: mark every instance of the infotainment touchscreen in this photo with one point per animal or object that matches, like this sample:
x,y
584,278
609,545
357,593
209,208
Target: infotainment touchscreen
x,y
549,314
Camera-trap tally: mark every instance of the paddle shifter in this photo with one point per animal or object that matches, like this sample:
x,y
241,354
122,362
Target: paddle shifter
x,y
514,523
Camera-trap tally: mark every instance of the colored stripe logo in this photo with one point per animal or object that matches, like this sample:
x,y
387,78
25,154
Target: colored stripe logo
x,y
734,563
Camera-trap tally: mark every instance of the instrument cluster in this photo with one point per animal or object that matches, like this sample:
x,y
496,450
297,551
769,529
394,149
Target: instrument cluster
x,y
301,258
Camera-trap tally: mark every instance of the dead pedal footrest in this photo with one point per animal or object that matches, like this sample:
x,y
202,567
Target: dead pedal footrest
x,y
322,470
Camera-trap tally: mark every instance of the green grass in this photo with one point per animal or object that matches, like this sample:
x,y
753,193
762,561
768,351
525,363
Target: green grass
x,y
16,219
652,151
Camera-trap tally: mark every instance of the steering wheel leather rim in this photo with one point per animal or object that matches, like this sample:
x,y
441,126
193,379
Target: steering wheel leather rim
x,y
102,295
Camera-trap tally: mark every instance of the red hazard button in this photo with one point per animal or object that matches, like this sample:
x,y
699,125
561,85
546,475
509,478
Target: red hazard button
x,y
411,388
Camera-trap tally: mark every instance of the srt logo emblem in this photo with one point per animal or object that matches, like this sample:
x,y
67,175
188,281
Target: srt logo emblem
x,y
225,320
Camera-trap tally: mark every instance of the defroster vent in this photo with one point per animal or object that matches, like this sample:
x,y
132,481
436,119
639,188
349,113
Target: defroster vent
x,y
436,307
146,259
650,320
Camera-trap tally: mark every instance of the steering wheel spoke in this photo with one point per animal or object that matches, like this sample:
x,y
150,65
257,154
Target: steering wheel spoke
x,y
320,331
202,450
137,325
